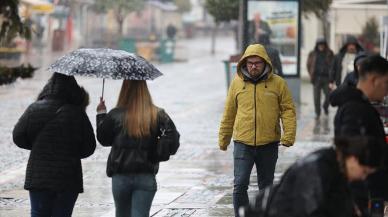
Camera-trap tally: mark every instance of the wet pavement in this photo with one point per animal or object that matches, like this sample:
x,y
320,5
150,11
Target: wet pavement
x,y
198,180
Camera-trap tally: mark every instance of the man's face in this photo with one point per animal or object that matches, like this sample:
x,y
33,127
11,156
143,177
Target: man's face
x,y
255,66
380,87
321,47
351,48
257,17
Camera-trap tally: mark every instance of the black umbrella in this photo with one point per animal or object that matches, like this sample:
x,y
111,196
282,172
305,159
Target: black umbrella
x,y
105,63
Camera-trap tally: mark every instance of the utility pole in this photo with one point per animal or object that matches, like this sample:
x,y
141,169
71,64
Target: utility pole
x,y
243,24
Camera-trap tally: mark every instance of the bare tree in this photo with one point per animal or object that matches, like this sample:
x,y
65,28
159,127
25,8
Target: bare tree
x,y
121,9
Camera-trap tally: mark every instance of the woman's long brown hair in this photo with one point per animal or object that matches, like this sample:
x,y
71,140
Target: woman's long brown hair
x,y
141,115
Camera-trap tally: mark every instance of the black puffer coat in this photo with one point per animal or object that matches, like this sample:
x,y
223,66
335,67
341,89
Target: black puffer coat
x,y
313,187
355,112
128,155
58,132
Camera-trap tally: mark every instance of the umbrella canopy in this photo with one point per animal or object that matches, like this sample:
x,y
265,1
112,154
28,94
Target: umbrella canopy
x,y
105,63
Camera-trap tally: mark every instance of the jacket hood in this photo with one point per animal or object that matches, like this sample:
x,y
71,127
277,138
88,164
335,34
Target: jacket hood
x,y
320,40
64,88
345,93
351,40
255,50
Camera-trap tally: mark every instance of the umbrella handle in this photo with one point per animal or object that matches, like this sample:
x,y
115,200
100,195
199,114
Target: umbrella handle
x,y
103,85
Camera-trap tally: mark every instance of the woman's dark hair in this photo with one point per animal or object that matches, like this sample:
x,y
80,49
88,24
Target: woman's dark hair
x,y
366,149
64,88
85,97
358,60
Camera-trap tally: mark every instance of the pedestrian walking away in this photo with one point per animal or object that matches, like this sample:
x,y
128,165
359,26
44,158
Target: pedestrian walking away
x,y
318,65
133,130
257,101
57,131
355,109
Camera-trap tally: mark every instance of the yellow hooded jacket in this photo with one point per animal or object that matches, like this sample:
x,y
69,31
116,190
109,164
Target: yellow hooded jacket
x,y
253,111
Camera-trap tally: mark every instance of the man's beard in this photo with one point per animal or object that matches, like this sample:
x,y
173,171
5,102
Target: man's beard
x,y
352,50
255,73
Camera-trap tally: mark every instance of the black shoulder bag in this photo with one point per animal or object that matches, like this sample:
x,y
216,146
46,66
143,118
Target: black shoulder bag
x,y
167,142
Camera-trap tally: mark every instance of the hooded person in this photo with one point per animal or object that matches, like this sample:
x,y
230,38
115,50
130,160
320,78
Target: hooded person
x,y
318,67
344,61
257,101
58,133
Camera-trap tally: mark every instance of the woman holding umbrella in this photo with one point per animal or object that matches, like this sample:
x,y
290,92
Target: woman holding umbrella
x,y
58,132
132,130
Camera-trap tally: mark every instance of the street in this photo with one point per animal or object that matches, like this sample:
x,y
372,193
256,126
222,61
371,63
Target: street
x,y
198,180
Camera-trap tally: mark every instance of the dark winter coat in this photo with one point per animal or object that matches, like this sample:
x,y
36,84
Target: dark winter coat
x,y
128,155
313,187
351,79
274,56
336,68
355,113
58,132
312,60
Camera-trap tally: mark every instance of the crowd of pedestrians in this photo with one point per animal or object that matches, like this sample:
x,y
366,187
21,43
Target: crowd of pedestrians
x,y
259,116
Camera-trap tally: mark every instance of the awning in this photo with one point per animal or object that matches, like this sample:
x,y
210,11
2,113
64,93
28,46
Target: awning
x,y
39,6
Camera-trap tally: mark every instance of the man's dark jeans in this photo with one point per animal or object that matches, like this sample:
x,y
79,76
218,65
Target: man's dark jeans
x,y
133,194
52,204
321,84
264,157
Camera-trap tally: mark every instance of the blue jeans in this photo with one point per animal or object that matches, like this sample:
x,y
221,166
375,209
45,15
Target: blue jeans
x,y
52,204
264,157
133,194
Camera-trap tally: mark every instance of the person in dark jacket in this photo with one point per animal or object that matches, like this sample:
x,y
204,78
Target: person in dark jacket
x,y
343,61
352,77
324,191
318,65
131,129
257,28
355,108
58,132
273,54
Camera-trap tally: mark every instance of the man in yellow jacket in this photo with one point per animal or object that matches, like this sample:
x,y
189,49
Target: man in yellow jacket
x,y
257,101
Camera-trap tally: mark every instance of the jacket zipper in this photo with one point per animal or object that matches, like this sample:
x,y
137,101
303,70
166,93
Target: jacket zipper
x,y
254,95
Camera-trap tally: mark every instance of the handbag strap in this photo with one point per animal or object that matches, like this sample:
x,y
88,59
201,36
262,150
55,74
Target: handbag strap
x,y
162,123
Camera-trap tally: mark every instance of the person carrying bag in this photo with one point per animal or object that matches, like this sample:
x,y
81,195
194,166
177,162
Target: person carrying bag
x,y
140,136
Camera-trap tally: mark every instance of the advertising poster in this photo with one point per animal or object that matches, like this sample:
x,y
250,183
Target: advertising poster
x,y
275,24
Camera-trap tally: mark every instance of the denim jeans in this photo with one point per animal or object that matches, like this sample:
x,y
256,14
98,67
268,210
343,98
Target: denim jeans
x,y
52,204
264,157
133,194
